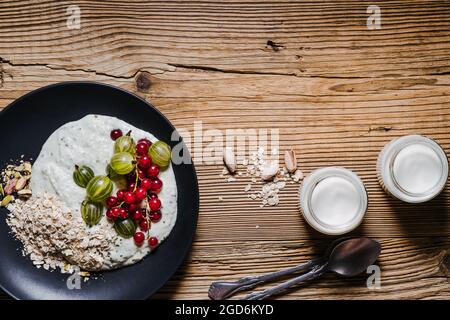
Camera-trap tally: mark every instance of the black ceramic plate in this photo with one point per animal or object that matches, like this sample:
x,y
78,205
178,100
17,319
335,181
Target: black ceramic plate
x,y
25,125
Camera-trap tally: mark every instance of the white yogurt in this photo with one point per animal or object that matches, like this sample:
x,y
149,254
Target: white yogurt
x,y
417,168
413,168
333,200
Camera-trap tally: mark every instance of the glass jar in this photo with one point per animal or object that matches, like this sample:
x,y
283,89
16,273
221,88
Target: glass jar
x,y
333,200
412,168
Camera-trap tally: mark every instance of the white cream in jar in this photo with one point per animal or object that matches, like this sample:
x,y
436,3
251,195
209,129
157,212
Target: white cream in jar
x,y
333,200
413,168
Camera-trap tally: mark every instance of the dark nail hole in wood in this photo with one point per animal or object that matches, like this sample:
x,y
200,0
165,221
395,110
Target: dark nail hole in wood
x,y
143,82
274,46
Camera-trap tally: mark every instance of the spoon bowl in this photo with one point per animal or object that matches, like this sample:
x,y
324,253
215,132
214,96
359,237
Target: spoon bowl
x,y
352,257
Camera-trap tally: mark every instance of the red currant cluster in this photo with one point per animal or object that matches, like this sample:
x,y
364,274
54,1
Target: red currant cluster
x,y
139,200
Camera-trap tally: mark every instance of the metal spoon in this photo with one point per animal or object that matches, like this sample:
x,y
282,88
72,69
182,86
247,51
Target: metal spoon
x,y
348,258
220,290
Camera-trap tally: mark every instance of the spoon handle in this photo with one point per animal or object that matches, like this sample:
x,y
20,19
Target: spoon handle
x,y
220,290
314,273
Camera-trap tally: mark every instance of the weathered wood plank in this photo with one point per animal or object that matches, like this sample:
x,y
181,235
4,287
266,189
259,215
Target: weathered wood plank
x,y
326,38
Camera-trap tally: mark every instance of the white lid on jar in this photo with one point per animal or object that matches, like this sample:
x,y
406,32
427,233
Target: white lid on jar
x,y
413,168
333,200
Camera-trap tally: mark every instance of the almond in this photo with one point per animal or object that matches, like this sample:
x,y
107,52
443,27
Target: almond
x,y
290,160
229,159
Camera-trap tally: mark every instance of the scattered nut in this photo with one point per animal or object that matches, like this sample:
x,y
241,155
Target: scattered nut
x,y
15,178
21,183
6,200
229,159
9,188
25,193
290,160
27,166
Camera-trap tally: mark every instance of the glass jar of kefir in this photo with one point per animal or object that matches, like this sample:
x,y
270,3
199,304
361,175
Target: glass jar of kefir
x,y
413,168
333,200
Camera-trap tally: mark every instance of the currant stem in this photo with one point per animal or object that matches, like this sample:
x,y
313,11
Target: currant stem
x,y
147,217
137,179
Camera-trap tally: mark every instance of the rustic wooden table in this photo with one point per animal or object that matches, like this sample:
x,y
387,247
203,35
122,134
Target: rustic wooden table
x,y
337,90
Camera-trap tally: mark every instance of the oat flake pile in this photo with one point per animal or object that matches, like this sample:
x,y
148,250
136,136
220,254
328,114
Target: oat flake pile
x,y
32,222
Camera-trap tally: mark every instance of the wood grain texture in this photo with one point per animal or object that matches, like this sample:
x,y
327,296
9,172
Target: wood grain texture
x,y
336,91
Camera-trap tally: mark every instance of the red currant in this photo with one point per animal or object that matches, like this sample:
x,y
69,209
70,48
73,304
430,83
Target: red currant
x,y
123,213
142,148
143,225
109,214
131,186
152,195
141,174
146,183
153,242
115,212
156,185
131,207
144,162
140,193
154,204
120,194
153,171
129,197
139,238
115,134
112,202
137,215
145,141
155,216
